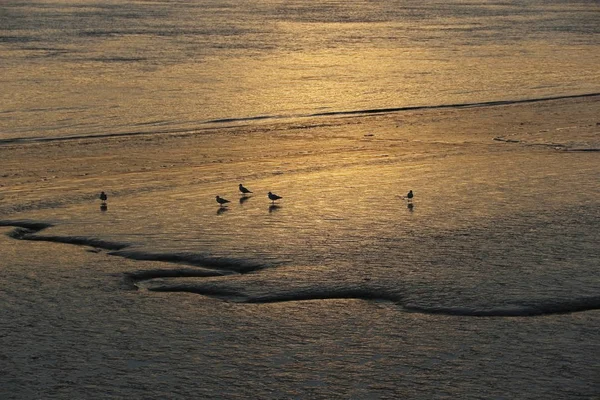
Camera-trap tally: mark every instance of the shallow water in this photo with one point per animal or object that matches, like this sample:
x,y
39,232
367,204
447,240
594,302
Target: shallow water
x,y
484,286
479,234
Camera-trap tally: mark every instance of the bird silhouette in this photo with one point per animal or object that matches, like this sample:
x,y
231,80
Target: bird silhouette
x,y
103,197
244,190
410,195
273,197
222,201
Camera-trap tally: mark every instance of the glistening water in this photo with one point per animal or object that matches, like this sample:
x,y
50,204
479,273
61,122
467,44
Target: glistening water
x,y
484,285
91,68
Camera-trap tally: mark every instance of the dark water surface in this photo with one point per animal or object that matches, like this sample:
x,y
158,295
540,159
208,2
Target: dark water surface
x,y
485,286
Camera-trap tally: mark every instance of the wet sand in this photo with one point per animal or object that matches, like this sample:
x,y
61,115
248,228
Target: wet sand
x,y
74,326
48,174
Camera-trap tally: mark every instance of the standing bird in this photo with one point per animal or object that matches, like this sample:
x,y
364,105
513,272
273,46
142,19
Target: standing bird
x,y
222,201
103,197
410,195
244,190
273,197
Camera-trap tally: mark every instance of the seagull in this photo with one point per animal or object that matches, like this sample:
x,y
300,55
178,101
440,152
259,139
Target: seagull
x,y
273,197
244,190
410,195
103,196
221,201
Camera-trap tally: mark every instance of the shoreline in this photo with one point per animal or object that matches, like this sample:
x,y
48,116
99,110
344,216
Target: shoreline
x,y
220,123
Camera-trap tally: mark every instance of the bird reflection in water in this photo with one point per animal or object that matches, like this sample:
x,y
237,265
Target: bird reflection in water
x,y
221,210
274,207
103,197
244,199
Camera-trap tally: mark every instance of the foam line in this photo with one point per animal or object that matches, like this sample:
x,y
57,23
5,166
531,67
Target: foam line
x,y
583,149
556,146
525,309
243,119
307,295
326,294
455,105
79,240
32,226
223,121
217,263
27,230
143,275
20,140
215,292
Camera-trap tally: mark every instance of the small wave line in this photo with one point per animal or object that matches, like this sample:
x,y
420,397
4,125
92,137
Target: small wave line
x,y
221,122
519,310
